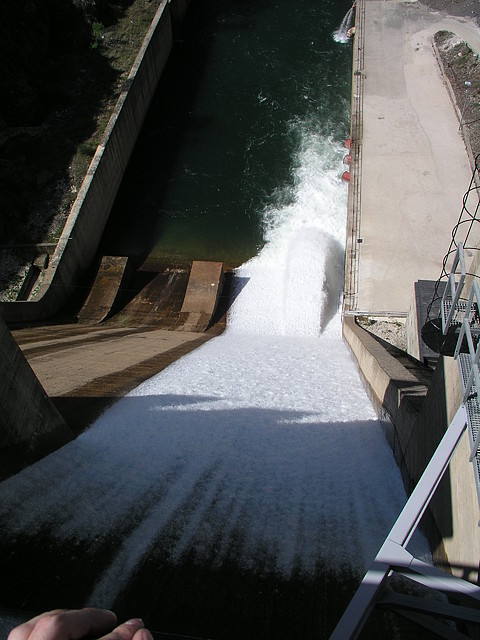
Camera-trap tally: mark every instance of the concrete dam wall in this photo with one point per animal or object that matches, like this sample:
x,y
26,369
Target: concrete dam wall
x,y
31,425
415,412
86,222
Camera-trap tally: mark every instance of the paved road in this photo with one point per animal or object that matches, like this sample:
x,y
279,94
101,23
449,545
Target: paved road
x,y
415,168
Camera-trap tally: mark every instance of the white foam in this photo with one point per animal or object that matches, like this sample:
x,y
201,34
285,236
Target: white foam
x,y
292,287
260,444
341,34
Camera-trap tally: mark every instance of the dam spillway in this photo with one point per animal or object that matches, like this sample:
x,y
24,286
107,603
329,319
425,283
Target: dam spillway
x,y
216,150
233,494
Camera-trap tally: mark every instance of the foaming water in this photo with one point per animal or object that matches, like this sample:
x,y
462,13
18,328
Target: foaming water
x,y
259,449
341,34
295,282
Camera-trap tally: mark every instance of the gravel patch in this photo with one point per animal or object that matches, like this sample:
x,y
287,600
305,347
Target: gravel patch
x,y
392,330
469,9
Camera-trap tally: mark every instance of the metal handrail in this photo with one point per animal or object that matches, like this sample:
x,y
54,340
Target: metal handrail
x,y
352,256
473,350
470,383
454,289
393,555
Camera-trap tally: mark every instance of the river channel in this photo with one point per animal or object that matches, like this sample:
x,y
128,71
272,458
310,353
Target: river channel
x,y
242,492
220,143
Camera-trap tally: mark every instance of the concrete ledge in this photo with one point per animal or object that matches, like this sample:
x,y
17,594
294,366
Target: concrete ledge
x,y
201,297
417,420
395,391
112,274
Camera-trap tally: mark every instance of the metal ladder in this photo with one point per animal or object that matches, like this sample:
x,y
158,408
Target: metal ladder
x,y
393,557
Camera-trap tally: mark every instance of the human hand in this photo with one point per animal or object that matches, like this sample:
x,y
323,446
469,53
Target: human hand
x,y
74,624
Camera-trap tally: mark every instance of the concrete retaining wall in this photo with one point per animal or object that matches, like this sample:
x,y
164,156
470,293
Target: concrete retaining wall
x,y
86,222
396,393
456,507
31,425
417,418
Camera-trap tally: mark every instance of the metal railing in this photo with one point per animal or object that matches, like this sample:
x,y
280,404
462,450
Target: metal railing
x,y
451,306
463,318
394,557
352,255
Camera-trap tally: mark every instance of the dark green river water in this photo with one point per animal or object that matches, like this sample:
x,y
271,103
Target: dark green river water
x,y
220,143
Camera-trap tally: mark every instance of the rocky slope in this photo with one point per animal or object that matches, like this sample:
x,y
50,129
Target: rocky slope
x,y
65,62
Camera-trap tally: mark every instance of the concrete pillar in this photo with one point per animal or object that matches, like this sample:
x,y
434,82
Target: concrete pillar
x,y
30,425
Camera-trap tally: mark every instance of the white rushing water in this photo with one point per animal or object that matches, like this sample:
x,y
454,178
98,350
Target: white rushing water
x,y
341,34
262,444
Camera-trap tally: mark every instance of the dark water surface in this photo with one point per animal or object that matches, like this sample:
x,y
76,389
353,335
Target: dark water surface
x,y
219,143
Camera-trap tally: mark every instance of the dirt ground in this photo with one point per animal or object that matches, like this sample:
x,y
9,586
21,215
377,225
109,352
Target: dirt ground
x,y
462,66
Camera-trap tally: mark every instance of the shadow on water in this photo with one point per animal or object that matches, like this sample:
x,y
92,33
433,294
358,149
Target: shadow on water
x,y
138,217
216,148
214,523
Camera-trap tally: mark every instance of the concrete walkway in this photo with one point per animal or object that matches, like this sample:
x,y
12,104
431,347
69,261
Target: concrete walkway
x,y
415,167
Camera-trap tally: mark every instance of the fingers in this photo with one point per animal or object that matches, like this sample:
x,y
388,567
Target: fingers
x,y
143,634
63,624
22,632
130,630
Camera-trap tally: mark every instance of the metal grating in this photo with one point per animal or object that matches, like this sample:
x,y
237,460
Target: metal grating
x,y
458,313
472,405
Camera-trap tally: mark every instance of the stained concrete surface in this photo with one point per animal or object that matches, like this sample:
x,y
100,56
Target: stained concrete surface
x,y
415,167
84,371
85,368
30,424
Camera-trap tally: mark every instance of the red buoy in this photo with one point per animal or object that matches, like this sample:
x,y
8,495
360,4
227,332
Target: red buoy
x,y
346,176
348,143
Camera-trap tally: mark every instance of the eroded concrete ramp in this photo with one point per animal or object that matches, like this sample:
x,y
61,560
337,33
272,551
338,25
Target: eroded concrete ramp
x,y
201,298
157,302
112,273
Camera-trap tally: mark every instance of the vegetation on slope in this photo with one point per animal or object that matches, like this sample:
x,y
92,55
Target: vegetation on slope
x,y
64,65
